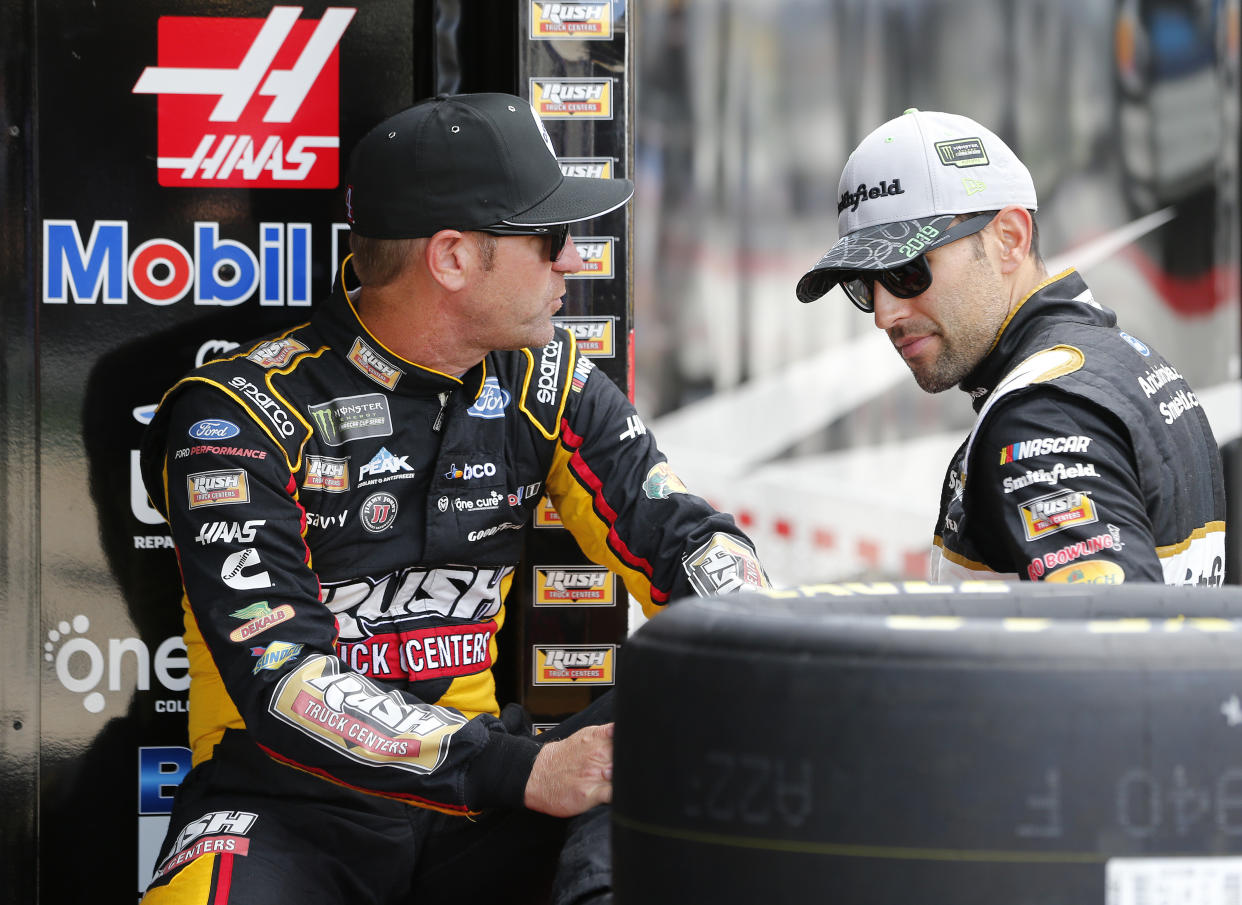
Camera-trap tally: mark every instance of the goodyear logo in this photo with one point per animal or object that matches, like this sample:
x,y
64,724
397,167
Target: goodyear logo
x,y
574,586
546,515
276,354
596,336
590,21
1055,512
572,98
217,488
586,167
369,362
597,257
574,664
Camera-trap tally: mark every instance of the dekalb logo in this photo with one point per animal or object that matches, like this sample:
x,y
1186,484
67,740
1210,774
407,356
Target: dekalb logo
x,y
574,664
251,103
572,98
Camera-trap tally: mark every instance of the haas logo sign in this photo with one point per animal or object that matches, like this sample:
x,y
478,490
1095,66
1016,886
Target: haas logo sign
x,y
248,102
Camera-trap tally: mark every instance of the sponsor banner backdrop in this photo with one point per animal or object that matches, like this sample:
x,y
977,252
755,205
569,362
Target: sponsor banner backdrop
x,y
189,165
575,70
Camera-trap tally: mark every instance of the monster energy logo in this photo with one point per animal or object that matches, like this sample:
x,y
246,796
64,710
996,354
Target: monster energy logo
x,y
352,418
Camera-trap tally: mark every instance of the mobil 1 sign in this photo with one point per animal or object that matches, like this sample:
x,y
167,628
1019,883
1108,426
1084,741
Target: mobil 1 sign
x,y
189,162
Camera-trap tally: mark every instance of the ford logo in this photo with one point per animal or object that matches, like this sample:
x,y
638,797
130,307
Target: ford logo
x,y
214,429
492,401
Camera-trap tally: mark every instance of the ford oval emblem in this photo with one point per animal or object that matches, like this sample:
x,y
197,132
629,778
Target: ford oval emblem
x,y
214,429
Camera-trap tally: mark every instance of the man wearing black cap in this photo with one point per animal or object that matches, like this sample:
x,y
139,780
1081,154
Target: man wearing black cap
x,y
1091,459
349,501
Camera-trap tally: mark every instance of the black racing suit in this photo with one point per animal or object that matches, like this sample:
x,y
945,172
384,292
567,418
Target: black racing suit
x,y
348,524
1091,459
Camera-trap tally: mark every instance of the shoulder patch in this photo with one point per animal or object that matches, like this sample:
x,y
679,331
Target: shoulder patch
x,y
246,382
547,381
1044,365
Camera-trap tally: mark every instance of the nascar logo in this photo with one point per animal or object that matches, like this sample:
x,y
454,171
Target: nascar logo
x,y
574,664
572,98
574,586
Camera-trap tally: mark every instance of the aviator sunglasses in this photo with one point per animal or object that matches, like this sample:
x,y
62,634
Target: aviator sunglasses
x,y
912,278
557,232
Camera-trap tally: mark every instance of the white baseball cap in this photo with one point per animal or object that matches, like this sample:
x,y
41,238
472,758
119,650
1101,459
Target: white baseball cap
x,y
904,184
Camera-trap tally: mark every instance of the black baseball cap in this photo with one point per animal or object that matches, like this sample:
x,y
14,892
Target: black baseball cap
x,y
467,161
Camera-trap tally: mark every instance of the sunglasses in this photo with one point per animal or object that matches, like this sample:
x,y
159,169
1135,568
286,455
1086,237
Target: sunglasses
x,y
557,232
912,278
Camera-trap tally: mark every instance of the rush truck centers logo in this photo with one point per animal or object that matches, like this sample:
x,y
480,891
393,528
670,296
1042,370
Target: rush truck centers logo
x,y
248,102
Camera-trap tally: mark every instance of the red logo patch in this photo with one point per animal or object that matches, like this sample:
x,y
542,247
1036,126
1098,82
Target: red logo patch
x,y
251,103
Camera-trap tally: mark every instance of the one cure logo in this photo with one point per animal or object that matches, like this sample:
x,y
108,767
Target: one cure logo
x,y
81,664
248,102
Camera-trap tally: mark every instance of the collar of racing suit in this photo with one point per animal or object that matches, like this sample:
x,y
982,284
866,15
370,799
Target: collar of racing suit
x,y
338,322
1062,298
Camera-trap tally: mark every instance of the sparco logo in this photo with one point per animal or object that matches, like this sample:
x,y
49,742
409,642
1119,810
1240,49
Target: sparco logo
x,y
868,193
272,410
270,127
549,372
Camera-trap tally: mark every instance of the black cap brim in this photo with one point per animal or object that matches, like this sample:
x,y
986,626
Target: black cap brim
x,y
577,198
870,248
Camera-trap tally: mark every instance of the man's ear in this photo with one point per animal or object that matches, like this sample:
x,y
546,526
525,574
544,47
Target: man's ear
x,y
1013,228
451,257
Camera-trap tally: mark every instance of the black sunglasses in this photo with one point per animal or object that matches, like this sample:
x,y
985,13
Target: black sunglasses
x,y
557,232
912,278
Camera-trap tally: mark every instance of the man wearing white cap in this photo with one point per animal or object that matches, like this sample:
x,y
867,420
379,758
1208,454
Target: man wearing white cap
x,y
1091,459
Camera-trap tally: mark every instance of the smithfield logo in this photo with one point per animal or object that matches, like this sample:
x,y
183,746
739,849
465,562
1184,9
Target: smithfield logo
x,y
251,103
82,664
214,429
492,402
868,193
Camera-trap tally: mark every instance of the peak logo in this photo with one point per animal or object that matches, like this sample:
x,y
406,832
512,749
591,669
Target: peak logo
x,y
248,102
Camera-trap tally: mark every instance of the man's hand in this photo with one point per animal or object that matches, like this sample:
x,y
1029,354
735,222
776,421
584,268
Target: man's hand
x,y
574,774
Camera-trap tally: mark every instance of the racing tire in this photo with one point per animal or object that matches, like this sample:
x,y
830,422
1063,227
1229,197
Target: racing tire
x,y
994,744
